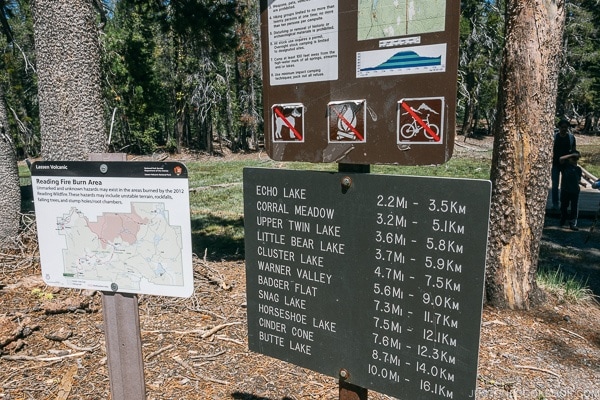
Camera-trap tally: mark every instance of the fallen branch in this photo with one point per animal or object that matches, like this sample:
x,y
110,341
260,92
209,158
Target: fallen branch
x,y
588,176
66,384
190,332
198,377
213,275
77,348
217,329
574,334
227,339
159,351
208,355
185,365
538,369
41,358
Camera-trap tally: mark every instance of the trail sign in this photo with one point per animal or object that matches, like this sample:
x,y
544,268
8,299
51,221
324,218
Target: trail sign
x,y
346,80
374,279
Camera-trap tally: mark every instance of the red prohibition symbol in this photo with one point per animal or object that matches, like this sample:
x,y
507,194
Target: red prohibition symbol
x,y
420,121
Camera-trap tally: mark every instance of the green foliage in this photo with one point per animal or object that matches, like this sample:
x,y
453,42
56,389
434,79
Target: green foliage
x,y
206,24
579,82
17,77
135,83
170,73
590,159
184,73
567,288
481,29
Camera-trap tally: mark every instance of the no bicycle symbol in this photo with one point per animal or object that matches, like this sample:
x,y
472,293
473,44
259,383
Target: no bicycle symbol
x,y
420,120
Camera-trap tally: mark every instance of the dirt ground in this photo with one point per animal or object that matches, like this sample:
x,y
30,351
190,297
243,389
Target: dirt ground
x,y
52,341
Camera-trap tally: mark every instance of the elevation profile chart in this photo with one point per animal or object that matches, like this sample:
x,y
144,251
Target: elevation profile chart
x,y
401,61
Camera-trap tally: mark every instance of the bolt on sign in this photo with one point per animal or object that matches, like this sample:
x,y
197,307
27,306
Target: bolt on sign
x,y
360,81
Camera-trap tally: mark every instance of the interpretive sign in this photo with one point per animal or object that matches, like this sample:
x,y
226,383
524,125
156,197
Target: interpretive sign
x,y
360,81
380,277
114,226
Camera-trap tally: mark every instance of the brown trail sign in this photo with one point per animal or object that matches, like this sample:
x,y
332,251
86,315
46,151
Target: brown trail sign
x,y
345,67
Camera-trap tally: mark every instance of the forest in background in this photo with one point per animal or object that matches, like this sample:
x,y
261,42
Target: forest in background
x,y
187,74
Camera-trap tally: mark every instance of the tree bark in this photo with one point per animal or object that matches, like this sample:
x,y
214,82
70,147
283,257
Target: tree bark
x,y
522,149
10,201
69,79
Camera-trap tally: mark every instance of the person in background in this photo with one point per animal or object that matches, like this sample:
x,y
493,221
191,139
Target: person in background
x,y
569,189
564,144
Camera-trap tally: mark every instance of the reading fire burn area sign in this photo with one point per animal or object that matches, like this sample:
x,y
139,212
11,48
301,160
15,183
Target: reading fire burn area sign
x,y
360,81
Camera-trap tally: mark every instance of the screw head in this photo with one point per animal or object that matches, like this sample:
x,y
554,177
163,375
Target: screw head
x,y
344,374
346,182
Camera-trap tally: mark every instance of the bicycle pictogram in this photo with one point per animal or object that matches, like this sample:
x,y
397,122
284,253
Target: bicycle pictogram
x,y
410,130
420,120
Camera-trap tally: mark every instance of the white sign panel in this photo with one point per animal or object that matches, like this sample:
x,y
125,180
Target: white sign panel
x,y
114,226
303,41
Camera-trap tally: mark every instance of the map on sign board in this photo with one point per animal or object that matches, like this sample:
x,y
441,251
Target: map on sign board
x,y
114,226
387,18
123,248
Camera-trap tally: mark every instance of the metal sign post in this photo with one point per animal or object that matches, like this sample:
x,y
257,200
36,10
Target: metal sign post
x,y
123,346
122,333
349,391
352,392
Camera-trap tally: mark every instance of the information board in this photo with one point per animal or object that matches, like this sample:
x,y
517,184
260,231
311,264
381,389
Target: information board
x,y
114,226
379,276
360,81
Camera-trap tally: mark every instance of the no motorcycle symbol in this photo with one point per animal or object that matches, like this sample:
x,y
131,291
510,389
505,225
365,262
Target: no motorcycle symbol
x,y
420,120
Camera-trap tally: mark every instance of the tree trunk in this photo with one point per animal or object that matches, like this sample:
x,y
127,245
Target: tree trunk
x,y
69,90
522,149
10,201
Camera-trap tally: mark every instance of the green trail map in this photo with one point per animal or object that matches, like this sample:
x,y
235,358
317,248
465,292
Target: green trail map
x,y
388,18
